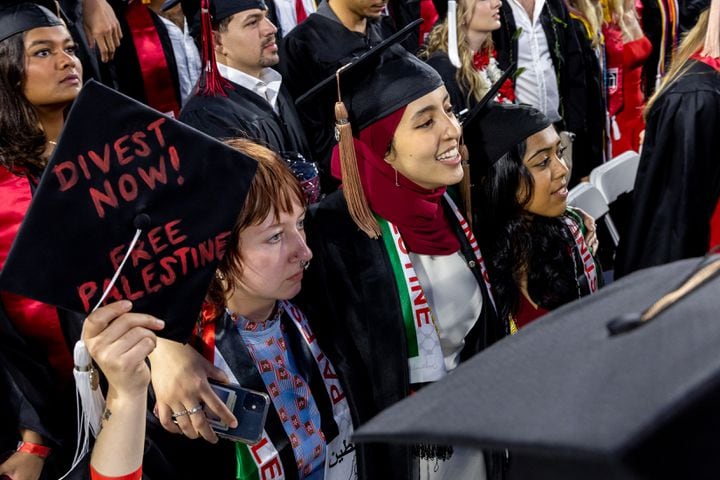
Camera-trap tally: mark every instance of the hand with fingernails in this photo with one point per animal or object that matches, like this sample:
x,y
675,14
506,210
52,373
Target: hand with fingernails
x,y
182,391
591,230
119,342
101,28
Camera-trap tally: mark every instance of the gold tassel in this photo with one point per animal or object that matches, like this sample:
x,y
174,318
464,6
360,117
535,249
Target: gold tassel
x,y
352,187
465,185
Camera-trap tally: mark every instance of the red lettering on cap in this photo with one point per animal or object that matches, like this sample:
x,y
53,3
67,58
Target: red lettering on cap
x,y
121,150
86,292
66,181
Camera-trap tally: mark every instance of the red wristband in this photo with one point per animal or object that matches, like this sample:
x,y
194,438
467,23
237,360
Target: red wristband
x,y
34,449
136,475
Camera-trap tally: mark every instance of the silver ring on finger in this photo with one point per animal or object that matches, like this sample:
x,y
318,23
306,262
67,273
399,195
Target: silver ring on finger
x,y
175,415
195,409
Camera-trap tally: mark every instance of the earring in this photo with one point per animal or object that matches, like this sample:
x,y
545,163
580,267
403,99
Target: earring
x,y
219,275
396,177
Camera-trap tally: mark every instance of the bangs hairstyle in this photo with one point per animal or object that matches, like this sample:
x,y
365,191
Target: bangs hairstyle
x,y
273,190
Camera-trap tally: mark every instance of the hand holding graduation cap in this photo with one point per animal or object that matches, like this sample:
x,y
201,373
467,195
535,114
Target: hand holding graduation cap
x,y
120,341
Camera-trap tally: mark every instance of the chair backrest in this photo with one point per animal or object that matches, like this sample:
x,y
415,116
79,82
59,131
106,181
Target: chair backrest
x,y
588,197
616,176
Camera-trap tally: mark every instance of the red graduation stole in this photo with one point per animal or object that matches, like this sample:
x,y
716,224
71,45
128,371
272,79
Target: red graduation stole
x,y
159,88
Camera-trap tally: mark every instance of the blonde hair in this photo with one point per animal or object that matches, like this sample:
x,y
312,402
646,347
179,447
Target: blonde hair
x,y
712,36
591,15
467,76
692,43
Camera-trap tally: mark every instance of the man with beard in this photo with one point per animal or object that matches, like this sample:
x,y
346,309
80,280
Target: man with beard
x,y
241,95
328,39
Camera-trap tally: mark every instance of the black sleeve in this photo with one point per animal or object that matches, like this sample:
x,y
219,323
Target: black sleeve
x,y
677,185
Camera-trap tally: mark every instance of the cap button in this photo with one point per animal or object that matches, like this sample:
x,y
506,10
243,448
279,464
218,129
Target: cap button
x,y
142,221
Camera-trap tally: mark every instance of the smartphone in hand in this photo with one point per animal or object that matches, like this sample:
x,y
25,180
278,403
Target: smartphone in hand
x,y
249,407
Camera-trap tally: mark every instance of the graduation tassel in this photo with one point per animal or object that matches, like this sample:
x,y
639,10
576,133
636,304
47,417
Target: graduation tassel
x,y
452,34
351,184
211,82
88,395
465,183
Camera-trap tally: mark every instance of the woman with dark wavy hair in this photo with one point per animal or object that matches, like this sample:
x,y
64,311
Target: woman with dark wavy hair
x,y
539,249
39,77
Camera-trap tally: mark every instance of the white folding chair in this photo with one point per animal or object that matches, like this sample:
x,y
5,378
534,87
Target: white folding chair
x,y
614,178
586,196
617,176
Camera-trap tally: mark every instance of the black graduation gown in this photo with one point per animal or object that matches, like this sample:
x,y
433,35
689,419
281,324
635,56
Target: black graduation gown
x,y
244,113
123,73
458,95
176,457
594,107
350,297
312,52
567,59
31,397
678,180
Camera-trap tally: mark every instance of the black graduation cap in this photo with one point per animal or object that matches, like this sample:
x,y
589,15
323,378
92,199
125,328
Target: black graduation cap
x,y
492,129
120,167
624,384
21,16
218,10
379,82
362,66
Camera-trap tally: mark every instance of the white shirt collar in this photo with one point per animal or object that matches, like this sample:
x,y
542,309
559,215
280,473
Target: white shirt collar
x,y
267,86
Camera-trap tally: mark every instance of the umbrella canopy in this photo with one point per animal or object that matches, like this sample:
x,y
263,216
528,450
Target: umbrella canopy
x,y
570,397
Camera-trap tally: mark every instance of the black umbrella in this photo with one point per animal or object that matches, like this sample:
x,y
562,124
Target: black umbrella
x,y
590,391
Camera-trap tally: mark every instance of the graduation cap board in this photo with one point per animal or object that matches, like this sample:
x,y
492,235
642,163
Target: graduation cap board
x,y
128,185
20,16
590,391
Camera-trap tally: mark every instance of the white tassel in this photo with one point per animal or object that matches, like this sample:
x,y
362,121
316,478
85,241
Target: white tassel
x,y
615,129
452,34
90,402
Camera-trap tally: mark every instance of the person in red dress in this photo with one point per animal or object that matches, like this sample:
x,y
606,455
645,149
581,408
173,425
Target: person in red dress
x,y
627,49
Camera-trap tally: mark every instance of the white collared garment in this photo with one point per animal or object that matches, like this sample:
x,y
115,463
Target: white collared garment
x,y
537,85
267,86
287,16
186,55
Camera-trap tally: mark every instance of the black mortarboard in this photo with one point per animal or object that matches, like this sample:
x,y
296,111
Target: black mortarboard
x,y
120,166
369,88
492,129
218,10
360,67
17,17
590,391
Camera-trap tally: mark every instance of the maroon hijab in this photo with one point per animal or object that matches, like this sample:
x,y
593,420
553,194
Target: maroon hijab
x,y
416,211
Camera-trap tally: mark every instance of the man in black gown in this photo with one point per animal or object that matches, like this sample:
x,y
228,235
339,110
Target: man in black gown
x,y
254,104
